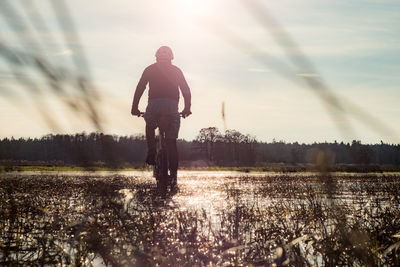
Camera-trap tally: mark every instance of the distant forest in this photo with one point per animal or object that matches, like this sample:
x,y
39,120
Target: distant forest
x,y
210,148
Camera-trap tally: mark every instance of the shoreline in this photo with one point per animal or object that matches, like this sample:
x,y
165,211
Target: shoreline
x,y
281,168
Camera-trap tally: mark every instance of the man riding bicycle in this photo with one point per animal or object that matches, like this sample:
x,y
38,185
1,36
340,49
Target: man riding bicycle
x,y
164,80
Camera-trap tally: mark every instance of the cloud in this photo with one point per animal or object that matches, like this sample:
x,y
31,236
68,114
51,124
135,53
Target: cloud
x,y
307,74
258,70
63,53
6,76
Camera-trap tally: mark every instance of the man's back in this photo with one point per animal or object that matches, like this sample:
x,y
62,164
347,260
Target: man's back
x,y
164,80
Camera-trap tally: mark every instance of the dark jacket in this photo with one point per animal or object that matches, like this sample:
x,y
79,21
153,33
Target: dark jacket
x,y
164,80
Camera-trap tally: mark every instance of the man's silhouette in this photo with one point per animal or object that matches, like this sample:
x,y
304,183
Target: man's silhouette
x,y
164,80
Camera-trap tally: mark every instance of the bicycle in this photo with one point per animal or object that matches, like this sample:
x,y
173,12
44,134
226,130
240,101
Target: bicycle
x,y
161,166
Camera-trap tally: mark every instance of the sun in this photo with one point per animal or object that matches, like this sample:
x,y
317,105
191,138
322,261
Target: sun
x,y
195,7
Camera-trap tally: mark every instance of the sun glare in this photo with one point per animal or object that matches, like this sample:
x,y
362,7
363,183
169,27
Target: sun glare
x,y
195,7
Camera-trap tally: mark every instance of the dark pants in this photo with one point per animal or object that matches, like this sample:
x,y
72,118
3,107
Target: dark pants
x,y
172,149
156,108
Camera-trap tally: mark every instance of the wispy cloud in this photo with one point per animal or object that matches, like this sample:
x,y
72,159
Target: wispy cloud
x,y
258,70
307,74
63,53
6,76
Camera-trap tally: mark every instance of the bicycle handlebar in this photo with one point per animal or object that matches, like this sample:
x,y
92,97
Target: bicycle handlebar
x,y
180,114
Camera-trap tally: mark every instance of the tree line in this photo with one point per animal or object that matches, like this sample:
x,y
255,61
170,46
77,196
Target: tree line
x,y
231,148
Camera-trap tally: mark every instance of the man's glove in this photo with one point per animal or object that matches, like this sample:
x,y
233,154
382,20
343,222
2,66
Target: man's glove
x,y
135,111
186,112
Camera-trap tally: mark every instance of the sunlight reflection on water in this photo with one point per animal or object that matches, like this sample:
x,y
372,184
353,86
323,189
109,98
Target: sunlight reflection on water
x,y
212,203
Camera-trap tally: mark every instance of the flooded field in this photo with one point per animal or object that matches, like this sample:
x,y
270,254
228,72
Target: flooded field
x,y
212,219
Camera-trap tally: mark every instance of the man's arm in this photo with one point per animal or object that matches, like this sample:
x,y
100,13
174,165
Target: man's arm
x,y
184,87
138,93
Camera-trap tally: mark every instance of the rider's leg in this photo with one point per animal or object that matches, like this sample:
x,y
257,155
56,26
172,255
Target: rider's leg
x,y
171,135
172,157
151,145
151,124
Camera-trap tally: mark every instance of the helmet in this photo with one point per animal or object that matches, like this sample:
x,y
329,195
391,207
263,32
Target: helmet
x,y
164,52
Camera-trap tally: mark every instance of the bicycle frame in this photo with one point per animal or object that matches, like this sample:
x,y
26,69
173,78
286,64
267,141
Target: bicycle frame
x,y
160,169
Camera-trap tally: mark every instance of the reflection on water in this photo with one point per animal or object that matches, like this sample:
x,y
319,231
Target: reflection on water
x,y
214,218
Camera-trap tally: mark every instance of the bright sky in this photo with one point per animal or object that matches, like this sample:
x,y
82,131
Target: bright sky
x,y
354,46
